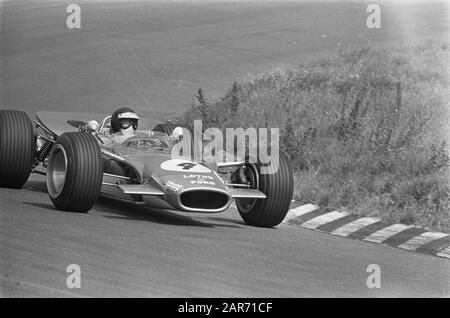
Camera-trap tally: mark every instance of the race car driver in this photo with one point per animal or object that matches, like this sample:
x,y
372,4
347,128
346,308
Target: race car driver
x,y
124,123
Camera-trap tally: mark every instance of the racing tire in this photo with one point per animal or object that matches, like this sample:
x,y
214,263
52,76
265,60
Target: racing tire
x,y
17,148
75,172
277,184
168,128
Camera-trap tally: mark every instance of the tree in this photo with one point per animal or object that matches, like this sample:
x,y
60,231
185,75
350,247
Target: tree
x,y
234,105
203,107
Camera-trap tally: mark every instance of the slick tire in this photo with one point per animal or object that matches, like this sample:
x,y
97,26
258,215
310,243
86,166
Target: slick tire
x,y
277,183
75,172
168,128
17,148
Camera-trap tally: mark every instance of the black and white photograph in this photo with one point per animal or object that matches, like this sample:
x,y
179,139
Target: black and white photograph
x,y
224,153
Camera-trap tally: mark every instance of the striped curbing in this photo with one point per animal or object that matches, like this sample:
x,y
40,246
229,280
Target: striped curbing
x,y
369,229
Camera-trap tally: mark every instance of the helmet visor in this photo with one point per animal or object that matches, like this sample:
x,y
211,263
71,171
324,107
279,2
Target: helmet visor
x,y
127,122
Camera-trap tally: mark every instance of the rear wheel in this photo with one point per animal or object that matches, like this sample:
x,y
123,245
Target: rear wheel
x,y
166,128
188,140
17,148
75,172
277,183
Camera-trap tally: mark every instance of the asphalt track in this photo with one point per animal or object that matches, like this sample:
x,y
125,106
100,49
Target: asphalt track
x,y
124,250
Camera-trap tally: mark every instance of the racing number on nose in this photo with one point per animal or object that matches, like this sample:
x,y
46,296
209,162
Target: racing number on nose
x,y
187,165
181,165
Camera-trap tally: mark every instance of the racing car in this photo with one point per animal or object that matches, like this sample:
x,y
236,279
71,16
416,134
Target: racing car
x,y
79,167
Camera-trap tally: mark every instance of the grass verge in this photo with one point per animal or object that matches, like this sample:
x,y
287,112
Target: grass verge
x,y
365,130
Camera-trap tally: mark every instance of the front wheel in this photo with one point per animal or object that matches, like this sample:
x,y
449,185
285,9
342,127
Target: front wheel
x,y
17,148
75,172
277,183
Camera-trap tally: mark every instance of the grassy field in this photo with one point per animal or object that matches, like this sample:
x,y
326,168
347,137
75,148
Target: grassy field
x,y
366,130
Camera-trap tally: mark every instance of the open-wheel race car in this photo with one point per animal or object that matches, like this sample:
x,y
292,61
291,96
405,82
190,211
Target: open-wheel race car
x,y
79,167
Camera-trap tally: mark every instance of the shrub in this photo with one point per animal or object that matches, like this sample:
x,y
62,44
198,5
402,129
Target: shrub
x,y
365,130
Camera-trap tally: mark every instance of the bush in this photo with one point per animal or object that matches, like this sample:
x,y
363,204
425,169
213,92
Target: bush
x,y
365,130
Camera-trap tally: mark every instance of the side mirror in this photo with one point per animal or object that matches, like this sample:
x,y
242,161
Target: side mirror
x,y
93,125
177,133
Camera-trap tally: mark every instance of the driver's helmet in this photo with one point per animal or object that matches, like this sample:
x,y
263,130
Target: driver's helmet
x,y
122,119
